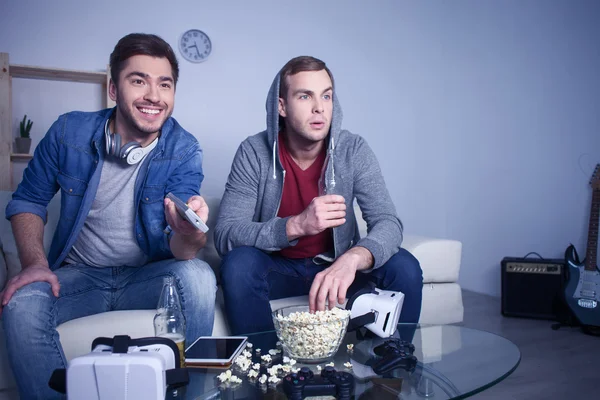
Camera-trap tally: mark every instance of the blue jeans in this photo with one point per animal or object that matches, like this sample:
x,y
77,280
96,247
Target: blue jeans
x,y
251,277
33,313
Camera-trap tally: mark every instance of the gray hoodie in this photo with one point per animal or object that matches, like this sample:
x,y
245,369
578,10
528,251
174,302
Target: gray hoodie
x,y
248,211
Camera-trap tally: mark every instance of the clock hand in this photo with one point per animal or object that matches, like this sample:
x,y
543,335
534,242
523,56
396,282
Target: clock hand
x,y
196,46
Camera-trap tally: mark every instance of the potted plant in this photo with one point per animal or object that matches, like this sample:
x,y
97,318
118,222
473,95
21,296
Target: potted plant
x,y
23,143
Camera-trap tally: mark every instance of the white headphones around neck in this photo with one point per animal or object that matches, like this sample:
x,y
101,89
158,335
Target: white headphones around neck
x,y
132,152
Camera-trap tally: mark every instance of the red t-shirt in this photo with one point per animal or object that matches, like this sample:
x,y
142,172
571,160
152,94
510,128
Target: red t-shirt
x,y
299,188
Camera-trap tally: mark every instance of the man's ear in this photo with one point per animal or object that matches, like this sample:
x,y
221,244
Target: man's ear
x,y
112,90
281,108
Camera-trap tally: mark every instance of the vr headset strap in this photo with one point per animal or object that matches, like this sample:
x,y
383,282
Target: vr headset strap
x,y
177,377
361,321
58,381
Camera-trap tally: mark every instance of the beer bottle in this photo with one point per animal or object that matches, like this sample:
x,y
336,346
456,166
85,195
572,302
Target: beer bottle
x,y
327,179
169,321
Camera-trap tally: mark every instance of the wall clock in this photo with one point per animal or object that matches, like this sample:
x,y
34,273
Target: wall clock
x,y
195,45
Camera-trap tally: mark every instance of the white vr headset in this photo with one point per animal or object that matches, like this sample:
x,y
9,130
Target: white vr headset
x,y
375,309
122,368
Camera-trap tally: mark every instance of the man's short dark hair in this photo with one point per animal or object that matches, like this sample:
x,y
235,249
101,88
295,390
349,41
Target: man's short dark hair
x,y
136,44
300,64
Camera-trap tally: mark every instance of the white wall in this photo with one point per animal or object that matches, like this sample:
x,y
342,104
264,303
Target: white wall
x,y
484,115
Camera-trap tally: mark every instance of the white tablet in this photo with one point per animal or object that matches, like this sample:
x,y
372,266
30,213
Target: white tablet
x,y
215,350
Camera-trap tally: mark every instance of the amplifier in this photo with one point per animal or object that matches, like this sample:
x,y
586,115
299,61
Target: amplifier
x,y
533,288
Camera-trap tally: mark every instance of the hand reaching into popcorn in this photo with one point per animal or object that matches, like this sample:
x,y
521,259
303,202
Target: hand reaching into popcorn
x,y
332,283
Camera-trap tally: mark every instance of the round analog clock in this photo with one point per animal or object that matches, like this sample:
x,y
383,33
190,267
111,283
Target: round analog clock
x,y
195,46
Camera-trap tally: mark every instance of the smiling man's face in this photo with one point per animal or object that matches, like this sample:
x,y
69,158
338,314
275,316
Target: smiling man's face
x,y
145,97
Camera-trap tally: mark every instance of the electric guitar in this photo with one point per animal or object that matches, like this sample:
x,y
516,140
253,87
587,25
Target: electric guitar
x,y
582,291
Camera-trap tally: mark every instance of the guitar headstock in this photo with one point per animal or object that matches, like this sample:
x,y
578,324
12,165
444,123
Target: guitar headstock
x,y
595,181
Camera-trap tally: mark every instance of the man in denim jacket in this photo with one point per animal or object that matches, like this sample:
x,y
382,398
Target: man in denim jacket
x,y
118,236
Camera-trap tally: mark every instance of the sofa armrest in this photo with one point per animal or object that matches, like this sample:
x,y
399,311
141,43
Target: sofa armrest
x,y
440,258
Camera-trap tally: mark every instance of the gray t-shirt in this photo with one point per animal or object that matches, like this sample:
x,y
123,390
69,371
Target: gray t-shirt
x,y
107,238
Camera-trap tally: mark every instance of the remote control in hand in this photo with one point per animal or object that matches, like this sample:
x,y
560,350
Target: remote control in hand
x,y
188,213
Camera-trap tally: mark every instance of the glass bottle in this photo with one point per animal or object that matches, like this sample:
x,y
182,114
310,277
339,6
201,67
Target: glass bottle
x,y
169,321
327,178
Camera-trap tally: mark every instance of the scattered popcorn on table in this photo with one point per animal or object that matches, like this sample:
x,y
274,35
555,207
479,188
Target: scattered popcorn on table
x,y
295,370
247,354
278,344
350,347
274,379
286,359
252,374
256,366
257,351
292,362
266,358
246,365
286,369
262,379
274,370
224,376
249,345
319,368
331,364
235,379
348,364
243,362
312,336
273,352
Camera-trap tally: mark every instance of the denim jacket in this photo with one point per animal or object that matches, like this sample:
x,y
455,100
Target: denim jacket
x,y
70,158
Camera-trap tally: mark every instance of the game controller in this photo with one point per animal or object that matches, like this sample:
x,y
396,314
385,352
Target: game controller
x,y
304,383
392,345
394,353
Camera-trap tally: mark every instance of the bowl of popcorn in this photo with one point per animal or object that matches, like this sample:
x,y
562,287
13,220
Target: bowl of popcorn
x,y
310,337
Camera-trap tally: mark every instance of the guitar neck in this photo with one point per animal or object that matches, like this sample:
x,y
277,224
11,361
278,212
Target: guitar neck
x,y
592,244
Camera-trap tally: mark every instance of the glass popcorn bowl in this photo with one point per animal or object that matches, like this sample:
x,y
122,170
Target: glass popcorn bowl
x,y
310,338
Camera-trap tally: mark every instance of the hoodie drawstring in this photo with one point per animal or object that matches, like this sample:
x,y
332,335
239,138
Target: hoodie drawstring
x,y
274,146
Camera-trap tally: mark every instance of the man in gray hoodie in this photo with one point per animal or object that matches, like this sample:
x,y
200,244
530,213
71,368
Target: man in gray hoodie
x,y
286,224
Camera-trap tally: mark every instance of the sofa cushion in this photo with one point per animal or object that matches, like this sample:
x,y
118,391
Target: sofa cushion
x,y
209,252
439,258
7,240
77,335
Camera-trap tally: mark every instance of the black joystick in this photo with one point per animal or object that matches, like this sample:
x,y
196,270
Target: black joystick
x,y
394,353
393,345
303,383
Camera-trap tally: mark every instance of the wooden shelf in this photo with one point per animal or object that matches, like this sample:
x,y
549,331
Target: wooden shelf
x,y
20,157
56,74
9,71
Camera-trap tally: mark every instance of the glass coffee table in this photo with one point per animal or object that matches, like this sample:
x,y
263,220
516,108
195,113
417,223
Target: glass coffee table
x,y
454,363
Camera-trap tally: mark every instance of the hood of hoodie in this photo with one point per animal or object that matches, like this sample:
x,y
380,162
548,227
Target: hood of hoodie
x,y
273,117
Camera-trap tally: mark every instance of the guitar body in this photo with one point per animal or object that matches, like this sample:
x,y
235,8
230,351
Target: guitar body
x,y
582,292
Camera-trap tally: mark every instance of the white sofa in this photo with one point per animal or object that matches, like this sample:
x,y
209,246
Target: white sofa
x,y
439,258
